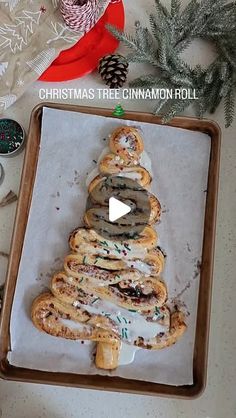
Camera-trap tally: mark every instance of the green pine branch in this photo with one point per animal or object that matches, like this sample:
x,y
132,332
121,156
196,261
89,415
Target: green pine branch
x,y
149,81
175,9
229,108
175,109
170,32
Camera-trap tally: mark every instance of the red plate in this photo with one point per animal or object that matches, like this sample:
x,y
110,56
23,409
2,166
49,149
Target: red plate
x,y
84,56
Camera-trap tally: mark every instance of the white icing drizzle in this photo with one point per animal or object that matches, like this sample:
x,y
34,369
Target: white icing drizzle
x,y
127,354
141,266
145,161
95,172
130,175
126,141
72,324
134,252
131,325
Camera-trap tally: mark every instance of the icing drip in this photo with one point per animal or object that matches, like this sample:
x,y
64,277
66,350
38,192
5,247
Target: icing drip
x,y
131,324
141,266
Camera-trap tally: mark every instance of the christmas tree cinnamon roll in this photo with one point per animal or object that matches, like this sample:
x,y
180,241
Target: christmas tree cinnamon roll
x,y
110,291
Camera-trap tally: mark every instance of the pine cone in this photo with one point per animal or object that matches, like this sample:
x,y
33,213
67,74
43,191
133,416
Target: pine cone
x,y
113,70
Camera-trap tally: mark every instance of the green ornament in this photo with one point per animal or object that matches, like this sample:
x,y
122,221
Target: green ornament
x,y
119,111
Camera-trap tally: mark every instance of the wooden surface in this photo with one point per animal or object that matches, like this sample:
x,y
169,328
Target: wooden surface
x,y
203,317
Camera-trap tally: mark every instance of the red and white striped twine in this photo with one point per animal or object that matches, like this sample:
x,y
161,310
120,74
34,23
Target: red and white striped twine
x,y
80,18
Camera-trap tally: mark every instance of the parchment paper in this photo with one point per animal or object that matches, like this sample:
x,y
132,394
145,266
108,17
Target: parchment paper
x,y
70,142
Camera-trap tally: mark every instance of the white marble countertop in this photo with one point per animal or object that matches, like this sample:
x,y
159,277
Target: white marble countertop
x,y
218,401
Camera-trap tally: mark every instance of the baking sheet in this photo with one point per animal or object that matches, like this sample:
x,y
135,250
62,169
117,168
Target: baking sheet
x,y
70,145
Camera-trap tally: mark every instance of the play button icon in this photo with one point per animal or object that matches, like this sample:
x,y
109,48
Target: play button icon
x,y
117,209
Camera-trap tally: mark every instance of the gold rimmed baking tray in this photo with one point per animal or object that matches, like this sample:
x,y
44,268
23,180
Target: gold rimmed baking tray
x,y
9,372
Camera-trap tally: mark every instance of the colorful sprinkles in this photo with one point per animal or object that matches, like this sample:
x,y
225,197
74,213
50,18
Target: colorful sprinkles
x,y
12,136
124,333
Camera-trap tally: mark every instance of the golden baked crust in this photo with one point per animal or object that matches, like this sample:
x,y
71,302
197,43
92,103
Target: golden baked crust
x,y
47,313
124,272
113,164
142,295
152,263
126,142
177,329
147,239
107,355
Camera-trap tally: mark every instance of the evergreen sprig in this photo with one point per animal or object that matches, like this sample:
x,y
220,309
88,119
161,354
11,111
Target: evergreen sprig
x,y
170,33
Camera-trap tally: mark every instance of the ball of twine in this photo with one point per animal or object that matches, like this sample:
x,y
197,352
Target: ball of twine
x,y
80,17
